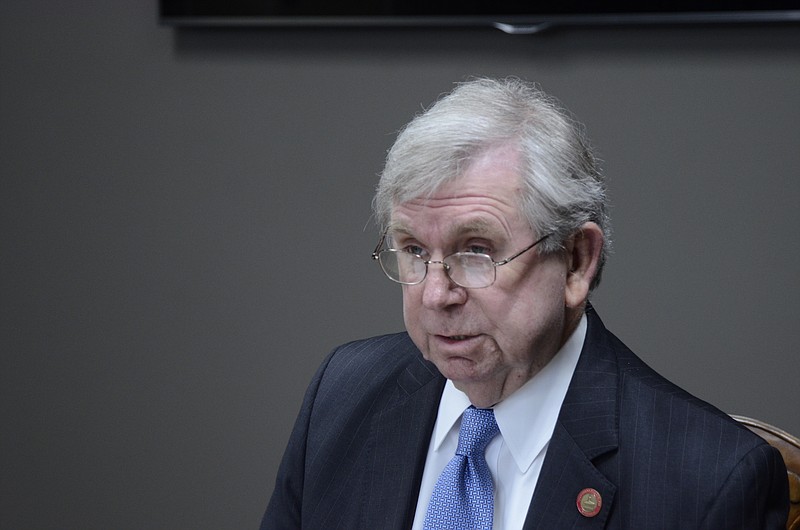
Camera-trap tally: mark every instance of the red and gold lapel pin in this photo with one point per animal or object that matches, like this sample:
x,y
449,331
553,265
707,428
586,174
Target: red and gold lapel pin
x,y
589,502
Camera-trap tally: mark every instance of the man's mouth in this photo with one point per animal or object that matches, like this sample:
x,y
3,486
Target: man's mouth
x,y
457,338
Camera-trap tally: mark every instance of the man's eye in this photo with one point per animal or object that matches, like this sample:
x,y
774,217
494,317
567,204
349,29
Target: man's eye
x,y
478,249
413,249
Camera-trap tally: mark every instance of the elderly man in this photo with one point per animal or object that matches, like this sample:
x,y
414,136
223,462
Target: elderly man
x,y
507,404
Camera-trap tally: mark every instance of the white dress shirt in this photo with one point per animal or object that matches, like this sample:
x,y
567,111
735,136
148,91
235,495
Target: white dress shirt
x,y
526,419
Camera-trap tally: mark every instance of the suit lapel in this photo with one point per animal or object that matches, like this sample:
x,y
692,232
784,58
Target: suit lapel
x,y
586,429
398,444
565,474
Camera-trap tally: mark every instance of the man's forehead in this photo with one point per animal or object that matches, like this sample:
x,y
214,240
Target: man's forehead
x,y
472,225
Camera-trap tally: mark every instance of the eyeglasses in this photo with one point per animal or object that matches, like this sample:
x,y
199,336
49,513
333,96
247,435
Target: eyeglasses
x,y
467,269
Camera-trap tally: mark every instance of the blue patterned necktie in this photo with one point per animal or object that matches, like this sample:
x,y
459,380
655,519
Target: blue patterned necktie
x,y
463,497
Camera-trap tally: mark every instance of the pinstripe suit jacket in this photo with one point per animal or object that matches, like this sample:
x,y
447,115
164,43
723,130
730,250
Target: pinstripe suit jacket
x,y
659,457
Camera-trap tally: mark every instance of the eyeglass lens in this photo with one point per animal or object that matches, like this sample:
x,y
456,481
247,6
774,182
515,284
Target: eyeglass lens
x,y
465,269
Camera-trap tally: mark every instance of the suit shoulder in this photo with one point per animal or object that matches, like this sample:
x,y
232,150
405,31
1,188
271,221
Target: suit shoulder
x,y
669,451
388,351
363,369
652,405
379,344
651,401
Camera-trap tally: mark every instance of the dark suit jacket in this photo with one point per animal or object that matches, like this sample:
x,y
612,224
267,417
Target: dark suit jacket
x,y
659,457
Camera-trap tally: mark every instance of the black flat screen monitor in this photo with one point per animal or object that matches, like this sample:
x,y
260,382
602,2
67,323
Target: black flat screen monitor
x,y
503,14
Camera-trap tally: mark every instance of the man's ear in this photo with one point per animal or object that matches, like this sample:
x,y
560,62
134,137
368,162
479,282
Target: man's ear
x,y
583,259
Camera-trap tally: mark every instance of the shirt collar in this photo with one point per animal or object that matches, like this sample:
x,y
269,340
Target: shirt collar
x,y
527,417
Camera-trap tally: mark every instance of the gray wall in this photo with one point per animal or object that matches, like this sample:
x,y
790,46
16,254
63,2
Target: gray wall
x,y
185,232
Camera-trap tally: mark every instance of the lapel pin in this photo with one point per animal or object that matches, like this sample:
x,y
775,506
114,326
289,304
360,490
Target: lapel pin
x,y
589,502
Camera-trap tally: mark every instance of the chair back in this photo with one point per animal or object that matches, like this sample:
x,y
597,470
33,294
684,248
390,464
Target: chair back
x,y
789,446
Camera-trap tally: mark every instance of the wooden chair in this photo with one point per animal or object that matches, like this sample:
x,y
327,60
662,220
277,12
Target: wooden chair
x,y
789,446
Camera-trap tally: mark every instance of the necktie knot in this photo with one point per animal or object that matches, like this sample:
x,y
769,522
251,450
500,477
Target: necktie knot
x,y
478,427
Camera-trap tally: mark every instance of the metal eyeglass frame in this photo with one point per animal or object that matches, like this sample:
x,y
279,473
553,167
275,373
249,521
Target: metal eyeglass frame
x,y
376,255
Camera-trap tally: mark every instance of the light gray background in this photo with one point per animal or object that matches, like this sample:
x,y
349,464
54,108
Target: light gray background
x,y
185,233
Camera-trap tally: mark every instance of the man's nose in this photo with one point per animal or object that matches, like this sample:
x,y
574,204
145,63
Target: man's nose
x,y
439,291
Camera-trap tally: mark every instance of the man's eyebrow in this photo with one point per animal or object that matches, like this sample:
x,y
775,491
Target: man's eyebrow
x,y
480,227
394,230
474,226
